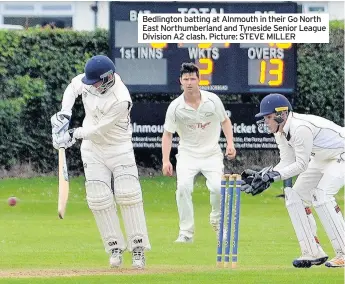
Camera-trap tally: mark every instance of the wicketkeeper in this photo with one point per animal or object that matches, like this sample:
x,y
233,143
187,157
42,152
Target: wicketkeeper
x,y
311,147
106,150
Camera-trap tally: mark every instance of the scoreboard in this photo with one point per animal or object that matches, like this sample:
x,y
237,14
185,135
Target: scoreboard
x,y
228,68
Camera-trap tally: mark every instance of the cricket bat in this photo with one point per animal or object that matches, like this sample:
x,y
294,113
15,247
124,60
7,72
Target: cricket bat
x,y
63,183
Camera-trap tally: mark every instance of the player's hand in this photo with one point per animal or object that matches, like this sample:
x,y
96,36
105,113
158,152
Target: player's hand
x,y
167,169
63,139
248,176
230,152
60,121
257,182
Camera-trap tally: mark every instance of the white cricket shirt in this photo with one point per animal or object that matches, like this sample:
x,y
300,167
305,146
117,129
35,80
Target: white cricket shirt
x,y
199,130
310,135
107,116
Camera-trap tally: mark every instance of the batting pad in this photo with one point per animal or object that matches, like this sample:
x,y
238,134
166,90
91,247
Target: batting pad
x,y
129,197
101,202
331,219
303,228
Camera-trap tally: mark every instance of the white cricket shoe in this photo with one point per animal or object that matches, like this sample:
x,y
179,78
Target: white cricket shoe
x,y
116,258
138,258
184,239
337,261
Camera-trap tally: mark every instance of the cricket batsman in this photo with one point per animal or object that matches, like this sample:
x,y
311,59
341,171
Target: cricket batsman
x,y
312,148
106,151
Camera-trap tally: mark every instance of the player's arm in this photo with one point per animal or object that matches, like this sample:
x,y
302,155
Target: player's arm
x,y
73,90
226,124
60,120
166,146
228,132
169,130
303,146
71,93
286,152
118,112
260,181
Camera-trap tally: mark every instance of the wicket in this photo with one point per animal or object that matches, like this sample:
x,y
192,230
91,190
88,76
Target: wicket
x,y
230,182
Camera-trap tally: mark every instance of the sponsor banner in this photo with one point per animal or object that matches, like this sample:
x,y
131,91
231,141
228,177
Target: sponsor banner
x,y
148,119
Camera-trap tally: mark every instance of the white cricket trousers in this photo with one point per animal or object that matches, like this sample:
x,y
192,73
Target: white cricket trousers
x,y
187,168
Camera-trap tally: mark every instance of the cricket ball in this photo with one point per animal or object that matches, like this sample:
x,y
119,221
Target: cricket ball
x,y
12,201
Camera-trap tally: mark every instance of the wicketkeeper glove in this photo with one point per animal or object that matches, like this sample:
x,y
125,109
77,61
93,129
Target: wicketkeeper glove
x,y
247,177
257,182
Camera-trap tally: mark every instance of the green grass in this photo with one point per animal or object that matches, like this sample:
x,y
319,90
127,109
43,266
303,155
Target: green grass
x,y
34,242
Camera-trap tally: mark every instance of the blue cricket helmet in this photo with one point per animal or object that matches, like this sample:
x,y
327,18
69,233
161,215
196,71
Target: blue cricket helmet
x,y
273,103
98,68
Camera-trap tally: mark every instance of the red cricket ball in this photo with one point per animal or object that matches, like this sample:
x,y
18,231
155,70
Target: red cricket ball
x,y
12,201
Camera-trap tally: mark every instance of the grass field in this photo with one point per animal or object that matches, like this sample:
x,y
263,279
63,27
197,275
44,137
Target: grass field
x,y
35,243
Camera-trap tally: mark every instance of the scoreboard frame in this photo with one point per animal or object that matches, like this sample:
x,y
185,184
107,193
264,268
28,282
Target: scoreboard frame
x,y
224,68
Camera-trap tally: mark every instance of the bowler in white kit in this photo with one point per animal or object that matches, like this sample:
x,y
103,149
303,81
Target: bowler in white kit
x,y
198,117
106,151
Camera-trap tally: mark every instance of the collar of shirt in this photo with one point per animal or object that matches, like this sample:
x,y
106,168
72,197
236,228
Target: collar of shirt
x,y
203,98
118,80
286,127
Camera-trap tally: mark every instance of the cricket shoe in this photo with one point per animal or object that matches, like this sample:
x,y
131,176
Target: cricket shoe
x,y
337,261
184,239
116,257
306,261
138,258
